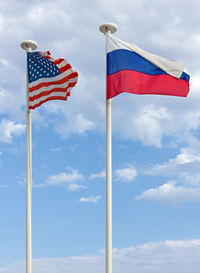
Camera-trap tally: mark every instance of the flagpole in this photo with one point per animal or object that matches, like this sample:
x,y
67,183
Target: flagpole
x,y
107,29
28,46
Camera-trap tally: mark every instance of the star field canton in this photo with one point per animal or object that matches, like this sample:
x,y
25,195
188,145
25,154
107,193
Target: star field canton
x,y
49,79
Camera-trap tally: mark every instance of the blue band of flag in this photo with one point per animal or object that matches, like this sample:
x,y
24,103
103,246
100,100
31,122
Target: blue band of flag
x,y
123,59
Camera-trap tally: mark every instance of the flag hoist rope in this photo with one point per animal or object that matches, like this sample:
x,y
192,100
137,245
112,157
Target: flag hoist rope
x,y
28,46
108,28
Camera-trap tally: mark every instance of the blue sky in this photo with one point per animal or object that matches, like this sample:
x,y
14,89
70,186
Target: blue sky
x,y
156,143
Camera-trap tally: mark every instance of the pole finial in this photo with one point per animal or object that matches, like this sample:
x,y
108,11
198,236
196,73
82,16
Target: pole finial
x,y
28,44
108,27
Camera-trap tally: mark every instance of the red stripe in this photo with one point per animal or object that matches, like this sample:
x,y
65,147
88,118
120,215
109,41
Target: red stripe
x,y
44,84
65,68
45,93
140,83
58,61
72,84
48,99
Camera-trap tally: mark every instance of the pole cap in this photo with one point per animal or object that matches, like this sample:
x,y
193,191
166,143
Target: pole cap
x,y
108,27
28,44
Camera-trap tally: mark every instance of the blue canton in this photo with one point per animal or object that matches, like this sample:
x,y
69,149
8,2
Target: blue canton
x,y
40,67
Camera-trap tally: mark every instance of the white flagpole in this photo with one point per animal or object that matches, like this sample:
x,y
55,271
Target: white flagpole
x,y
108,28
28,46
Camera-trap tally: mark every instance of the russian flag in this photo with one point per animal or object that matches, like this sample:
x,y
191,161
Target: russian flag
x,y
133,70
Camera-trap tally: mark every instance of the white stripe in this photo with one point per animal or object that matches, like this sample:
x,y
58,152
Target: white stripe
x,y
172,68
43,98
56,78
48,88
62,64
69,89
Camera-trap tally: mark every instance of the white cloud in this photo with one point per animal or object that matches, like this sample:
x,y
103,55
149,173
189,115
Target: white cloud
x,y
195,84
148,124
36,14
144,121
91,199
172,194
70,45
64,177
185,166
150,119
127,174
76,124
75,187
168,256
9,129
102,174
187,156
82,124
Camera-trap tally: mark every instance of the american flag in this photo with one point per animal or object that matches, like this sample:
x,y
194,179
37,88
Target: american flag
x,y
49,79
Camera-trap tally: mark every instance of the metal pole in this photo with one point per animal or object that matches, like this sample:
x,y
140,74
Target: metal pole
x,y
108,186
28,46
107,29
